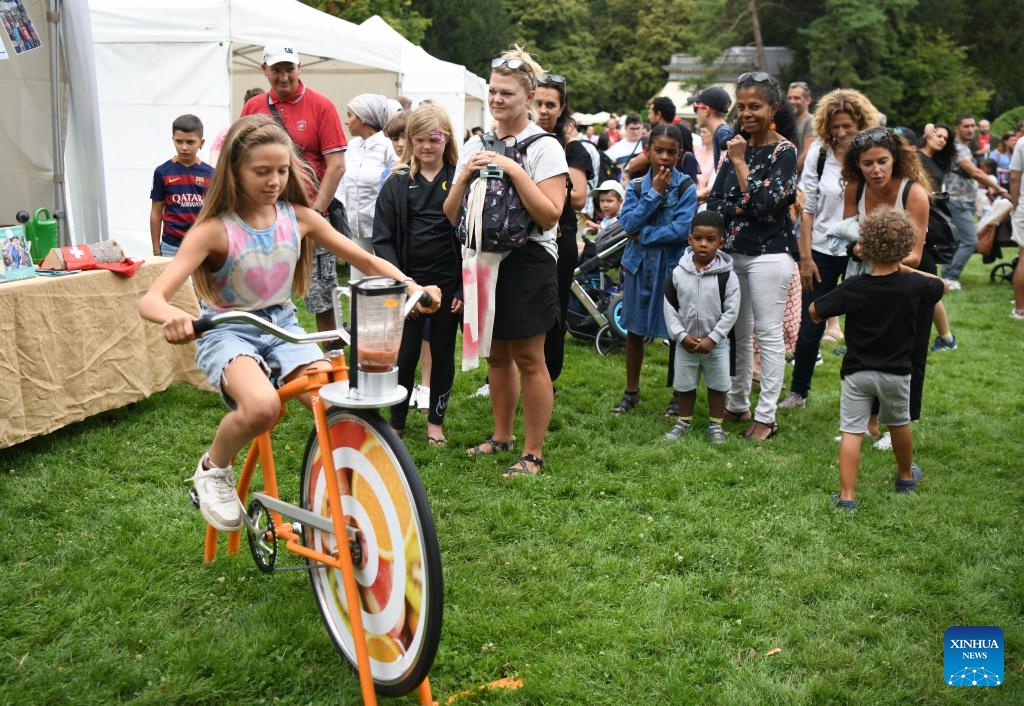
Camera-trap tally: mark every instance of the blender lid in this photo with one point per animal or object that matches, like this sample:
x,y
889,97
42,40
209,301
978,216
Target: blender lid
x,y
378,286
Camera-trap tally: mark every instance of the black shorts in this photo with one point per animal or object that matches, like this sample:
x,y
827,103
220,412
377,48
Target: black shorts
x,y
526,301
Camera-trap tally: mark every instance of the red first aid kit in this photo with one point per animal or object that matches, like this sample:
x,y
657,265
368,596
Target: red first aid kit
x,y
106,255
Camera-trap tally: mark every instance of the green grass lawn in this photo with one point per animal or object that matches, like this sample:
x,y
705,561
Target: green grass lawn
x,y
630,571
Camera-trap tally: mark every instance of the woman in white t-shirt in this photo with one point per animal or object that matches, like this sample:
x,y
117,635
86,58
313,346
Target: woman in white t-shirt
x,y
368,163
839,116
526,295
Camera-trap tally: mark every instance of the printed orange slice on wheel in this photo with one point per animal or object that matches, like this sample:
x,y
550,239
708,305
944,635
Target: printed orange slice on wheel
x,y
383,648
390,475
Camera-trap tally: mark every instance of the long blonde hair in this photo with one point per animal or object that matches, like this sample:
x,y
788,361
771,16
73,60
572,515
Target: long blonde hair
x,y
224,196
421,121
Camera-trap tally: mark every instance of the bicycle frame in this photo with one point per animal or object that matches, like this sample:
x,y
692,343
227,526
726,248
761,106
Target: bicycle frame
x,y
261,452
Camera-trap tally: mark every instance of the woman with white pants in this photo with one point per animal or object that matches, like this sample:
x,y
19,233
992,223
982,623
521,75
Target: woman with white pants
x,y
755,186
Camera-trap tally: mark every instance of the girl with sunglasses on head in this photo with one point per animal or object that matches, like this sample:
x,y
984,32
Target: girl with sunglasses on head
x,y
526,296
881,169
551,107
753,191
840,115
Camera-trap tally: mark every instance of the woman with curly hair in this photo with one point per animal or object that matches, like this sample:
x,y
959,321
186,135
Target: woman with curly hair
x,y
882,169
840,115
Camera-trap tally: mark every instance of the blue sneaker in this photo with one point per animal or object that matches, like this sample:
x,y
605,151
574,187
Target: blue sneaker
x,y
942,344
840,504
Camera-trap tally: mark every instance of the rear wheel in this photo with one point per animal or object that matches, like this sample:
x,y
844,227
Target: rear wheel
x,y
397,559
1003,272
613,312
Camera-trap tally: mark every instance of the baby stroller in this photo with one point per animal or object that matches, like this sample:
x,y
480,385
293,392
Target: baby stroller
x,y
595,314
1002,272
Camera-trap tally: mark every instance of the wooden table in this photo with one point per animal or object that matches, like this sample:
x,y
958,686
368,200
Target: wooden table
x,y
74,346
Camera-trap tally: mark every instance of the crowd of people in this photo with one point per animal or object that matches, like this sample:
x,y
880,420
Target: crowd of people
x,y
744,246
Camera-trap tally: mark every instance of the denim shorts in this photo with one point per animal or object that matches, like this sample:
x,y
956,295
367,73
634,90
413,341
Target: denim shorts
x,y
221,345
714,366
861,389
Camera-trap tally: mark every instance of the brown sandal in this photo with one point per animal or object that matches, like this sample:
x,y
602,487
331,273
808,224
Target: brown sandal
x,y
522,467
738,416
490,446
772,428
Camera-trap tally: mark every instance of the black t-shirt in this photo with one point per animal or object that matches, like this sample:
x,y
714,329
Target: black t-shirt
x,y
576,156
881,313
431,253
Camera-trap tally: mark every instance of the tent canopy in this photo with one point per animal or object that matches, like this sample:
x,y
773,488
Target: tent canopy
x,y
153,65
424,77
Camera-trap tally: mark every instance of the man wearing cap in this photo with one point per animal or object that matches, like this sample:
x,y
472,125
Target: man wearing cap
x,y
314,125
711,106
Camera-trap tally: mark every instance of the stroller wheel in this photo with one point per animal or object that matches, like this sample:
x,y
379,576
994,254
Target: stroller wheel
x,y
613,312
605,341
1003,272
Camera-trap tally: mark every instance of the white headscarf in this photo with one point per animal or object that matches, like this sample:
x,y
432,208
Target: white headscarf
x,y
372,109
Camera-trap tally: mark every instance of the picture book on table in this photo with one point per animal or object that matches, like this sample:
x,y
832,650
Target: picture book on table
x,y
15,260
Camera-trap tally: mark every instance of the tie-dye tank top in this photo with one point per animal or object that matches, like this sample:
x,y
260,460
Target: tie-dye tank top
x,y
260,265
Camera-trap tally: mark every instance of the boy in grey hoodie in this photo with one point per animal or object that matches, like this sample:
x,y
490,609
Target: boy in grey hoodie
x,y
702,301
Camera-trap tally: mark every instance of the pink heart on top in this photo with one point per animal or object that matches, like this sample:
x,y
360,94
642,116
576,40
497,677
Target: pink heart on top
x,y
267,281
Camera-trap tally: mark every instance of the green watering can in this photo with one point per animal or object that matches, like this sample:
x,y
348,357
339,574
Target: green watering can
x,y
41,231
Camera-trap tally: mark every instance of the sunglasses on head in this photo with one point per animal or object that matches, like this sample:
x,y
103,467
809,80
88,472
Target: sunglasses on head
x,y
874,136
757,77
553,79
511,63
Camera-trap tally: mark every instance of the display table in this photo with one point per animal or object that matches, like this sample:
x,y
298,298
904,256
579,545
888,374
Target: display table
x,y
75,345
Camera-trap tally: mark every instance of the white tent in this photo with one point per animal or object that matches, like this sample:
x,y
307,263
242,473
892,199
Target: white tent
x,y
131,67
154,63
424,77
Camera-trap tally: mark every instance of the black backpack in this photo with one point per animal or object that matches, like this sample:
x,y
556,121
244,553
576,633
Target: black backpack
x,y
941,239
505,224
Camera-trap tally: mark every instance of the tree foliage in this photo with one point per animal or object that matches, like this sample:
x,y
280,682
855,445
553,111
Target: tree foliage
x,y
918,60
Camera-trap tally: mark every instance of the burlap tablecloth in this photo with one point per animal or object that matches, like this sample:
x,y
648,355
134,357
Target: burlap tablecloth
x,y
73,346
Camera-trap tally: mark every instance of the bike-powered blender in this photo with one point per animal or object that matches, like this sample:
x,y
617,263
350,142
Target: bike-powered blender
x,y
379,307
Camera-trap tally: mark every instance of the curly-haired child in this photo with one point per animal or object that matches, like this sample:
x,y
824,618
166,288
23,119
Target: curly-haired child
x,y
880,310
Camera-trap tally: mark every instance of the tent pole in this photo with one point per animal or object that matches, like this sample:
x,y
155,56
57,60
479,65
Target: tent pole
x,y
59,206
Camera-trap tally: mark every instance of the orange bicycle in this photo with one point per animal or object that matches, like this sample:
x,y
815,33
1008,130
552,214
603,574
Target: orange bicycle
x,y
363,521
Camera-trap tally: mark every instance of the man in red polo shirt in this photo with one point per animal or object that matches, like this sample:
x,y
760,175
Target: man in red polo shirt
x,y
314,125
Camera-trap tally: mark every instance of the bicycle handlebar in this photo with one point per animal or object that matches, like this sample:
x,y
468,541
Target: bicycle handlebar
x,y
205,323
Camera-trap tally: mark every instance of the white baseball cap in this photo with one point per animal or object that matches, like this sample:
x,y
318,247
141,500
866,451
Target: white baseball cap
x,y
277,52
612,185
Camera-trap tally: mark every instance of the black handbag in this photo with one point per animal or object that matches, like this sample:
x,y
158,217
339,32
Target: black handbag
x,y
941,237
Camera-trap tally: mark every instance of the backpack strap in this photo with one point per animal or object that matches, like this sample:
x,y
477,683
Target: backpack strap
x,y
670,293
685,184
723,280
822,156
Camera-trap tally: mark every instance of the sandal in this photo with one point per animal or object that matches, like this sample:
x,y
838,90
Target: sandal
x,y
744,416
629,401
522,467
772,428
437,441
490,446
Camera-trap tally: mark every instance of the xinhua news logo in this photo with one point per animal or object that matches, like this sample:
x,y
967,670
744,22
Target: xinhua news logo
x,y
974,655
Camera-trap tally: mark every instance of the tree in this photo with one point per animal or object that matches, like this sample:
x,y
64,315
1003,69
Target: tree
x,y
467,32
397,13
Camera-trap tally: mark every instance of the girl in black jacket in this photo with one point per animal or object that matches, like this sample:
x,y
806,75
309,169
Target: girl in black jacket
x,y
410,228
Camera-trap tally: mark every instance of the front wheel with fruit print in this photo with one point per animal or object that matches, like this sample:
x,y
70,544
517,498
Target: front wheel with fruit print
x,y
394,550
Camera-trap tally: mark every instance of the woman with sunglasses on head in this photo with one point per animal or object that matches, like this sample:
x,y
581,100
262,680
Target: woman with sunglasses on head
x,y
526,295
754,189
551,107
839,116
882,169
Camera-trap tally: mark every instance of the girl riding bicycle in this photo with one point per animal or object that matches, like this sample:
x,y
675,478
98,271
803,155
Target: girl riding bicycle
x,y
250,250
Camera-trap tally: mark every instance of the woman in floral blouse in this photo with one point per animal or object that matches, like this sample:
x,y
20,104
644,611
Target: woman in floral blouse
x,y
753,191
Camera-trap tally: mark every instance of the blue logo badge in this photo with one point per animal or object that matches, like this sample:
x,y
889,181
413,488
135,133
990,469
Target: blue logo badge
x,y
974,656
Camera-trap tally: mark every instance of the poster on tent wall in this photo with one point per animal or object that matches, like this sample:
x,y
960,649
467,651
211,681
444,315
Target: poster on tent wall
x,y
3,52
18,24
